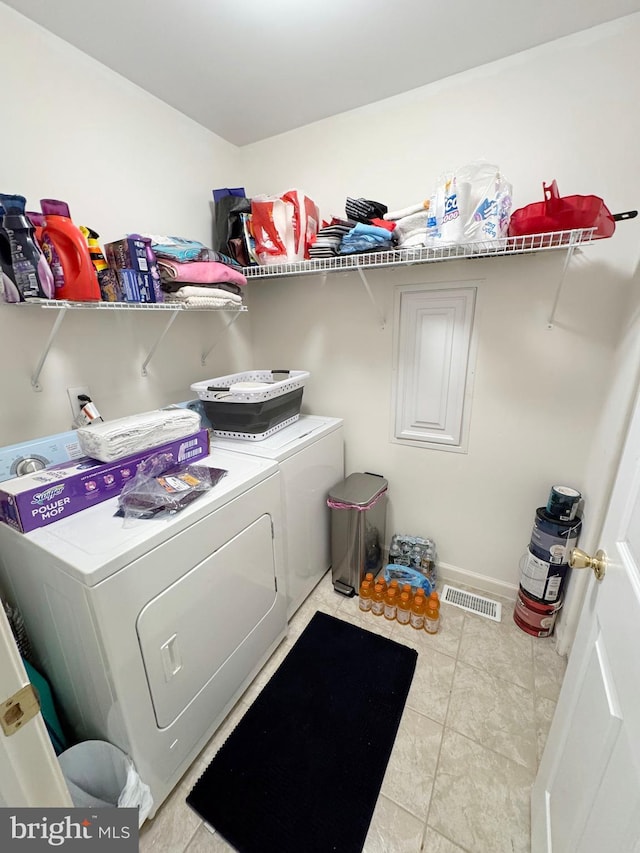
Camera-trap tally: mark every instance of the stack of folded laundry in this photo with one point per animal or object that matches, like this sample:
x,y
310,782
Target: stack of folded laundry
x,y
411,224
370,233
367,238
326,243
198,277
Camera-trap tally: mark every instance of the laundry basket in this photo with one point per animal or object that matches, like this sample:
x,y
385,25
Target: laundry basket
x,y
254,404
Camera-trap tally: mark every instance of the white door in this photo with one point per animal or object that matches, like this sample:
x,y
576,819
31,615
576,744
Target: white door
x,y
586,797
30,774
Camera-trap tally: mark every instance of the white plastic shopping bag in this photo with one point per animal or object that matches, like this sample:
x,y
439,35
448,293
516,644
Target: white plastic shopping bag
x,y
470,205
136,794
489,203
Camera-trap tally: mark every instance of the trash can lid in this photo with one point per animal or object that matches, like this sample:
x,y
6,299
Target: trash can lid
x,y
358,489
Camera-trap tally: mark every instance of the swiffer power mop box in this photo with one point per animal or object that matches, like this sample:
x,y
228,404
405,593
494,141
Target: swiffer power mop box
x,y
38,499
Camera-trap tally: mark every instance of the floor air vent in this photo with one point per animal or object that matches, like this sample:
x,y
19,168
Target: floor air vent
x,y
472,602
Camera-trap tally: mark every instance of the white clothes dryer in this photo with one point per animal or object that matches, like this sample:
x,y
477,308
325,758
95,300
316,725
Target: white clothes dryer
x,y
149,631
310,454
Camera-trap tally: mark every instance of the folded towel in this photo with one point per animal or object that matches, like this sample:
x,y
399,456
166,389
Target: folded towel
x,y
199,272
205,293
202,301
407,211
122,437
409,227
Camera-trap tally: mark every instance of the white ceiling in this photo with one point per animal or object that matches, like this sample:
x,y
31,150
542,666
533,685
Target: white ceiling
x,y
250,69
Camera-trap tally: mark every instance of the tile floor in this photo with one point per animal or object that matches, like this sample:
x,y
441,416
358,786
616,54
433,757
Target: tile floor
x,y
467,749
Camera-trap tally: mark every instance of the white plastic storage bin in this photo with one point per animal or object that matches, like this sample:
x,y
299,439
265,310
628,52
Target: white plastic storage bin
x,y
254,404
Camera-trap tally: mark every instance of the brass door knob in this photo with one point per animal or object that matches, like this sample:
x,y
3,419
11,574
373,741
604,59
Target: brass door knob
x,y
579,559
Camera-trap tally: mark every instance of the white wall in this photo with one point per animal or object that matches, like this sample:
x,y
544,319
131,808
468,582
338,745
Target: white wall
x,y
124,161
565,111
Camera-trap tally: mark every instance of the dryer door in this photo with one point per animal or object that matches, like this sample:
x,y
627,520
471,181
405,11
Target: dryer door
x,y
191,629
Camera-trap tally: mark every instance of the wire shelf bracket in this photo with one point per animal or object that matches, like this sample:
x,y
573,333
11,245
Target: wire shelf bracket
x,y
35,379
367,287
206,355
63,306
571,248
567,241
159,340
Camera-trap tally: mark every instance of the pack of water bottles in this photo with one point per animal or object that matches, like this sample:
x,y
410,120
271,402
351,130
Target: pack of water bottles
x,y
415,552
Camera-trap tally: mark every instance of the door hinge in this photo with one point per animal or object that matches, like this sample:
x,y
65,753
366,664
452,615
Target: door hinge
x,y
19,709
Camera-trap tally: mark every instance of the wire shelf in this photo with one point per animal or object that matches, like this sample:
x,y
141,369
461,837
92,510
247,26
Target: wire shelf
x,y
422,255
127,306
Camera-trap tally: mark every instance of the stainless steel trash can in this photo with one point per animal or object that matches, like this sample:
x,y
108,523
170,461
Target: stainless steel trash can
x,y
358,514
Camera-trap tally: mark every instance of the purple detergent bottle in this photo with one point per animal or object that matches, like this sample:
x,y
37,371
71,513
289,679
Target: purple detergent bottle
x,y
10,292
29,270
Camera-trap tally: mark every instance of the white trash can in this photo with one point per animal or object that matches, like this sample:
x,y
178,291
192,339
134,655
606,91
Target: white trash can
x,y
100,775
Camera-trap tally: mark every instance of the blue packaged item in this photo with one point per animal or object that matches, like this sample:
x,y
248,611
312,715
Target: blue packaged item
x,y
238,192
405,574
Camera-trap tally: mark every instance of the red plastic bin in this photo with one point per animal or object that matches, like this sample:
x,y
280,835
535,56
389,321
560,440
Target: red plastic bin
x,y
562,213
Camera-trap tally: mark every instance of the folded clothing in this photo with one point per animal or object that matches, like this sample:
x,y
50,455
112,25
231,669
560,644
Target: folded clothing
x,y
205,292
199,272
363,209
203,301
175,286
185,251
363,238
407,211
326,243
113,440
412,230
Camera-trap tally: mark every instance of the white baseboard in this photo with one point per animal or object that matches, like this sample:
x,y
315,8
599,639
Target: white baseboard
x,y
481,583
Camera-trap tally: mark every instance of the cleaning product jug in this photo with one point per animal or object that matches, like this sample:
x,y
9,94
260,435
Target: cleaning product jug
x,y
8,289
22,261
76,277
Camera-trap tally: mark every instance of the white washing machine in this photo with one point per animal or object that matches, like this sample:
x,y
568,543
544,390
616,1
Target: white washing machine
x,y
149,631
310,454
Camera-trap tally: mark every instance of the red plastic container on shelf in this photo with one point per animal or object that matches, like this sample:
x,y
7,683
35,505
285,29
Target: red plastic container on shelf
x,y
562,213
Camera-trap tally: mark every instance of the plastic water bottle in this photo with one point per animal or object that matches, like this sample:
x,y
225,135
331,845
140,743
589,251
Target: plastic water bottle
x,y
365,596
403,614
